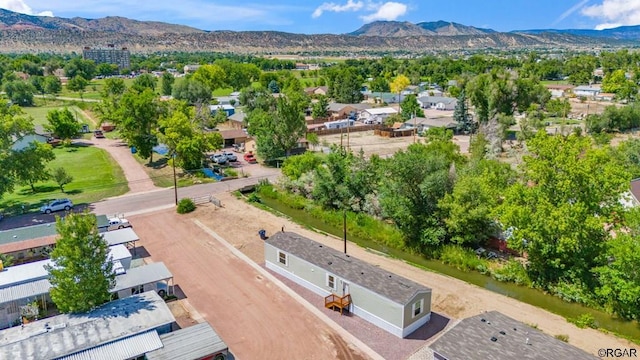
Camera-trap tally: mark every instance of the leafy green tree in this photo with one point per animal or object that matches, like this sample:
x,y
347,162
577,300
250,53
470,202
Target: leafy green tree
x,y
14,124
277,131
212,76
105,69
379,84
185,139
320,108
273,87
464,121
417,179
580,69
167,83
144,81
30,164
617,83
79,84
469,209
37,81
52,85
113,87
61,177
295,166
139,116
20,92
410,108
559,211
558,107
192,91
80,67
345,86
81,273
63,123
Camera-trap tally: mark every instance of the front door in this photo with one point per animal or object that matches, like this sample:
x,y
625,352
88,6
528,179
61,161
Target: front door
x,y
345,288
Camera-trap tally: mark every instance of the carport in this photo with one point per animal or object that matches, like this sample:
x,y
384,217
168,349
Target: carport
x,y
136,278
125,236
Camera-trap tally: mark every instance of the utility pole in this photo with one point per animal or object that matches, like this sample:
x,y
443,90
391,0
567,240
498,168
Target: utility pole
x,y
415,129
175,182
344,228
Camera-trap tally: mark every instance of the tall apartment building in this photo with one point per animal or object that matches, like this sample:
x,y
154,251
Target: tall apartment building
x,y
110,55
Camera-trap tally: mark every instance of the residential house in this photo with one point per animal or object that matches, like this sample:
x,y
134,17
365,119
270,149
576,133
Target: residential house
x,y
227,100
589,91
122,329
236,121
558,90
302,66
495,336
343,111
431,92
25,141
437,102
386,97
605,97
191,68
423,124
234,136
395,304
339,124
228,109
633,198
376,115
317,90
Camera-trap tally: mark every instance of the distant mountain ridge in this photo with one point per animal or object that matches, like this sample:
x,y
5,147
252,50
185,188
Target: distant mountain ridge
x,y
620,33
405,28
27,34
10,20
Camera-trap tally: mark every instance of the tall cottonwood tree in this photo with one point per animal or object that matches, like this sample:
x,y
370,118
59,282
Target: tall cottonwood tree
x,y
81,273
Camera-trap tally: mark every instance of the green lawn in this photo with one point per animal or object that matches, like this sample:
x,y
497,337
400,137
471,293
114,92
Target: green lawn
x,y
555,82
222,92
39,114
92,91
161,173
95,176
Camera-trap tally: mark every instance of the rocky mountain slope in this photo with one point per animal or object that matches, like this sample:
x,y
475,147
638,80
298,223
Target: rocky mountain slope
x,y
24,33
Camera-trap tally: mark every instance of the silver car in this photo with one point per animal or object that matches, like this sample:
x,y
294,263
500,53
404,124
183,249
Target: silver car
x,y
57,205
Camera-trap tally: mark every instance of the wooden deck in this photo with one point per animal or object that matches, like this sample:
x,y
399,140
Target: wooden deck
x,y
336,301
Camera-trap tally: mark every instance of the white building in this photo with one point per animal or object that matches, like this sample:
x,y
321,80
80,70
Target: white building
x,y
376,115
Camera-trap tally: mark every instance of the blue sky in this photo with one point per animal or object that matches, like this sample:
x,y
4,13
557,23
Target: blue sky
x,y
341,16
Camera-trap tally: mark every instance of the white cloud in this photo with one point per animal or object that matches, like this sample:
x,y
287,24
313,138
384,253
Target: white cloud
x,y
387,11
329,6
614,13
21,7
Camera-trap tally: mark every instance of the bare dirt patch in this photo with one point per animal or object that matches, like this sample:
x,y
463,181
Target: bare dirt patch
x,y
239,223
252,315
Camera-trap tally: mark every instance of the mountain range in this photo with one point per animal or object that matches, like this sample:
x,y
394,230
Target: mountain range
x,y
27,33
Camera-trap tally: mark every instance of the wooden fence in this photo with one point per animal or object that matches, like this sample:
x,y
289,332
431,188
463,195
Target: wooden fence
x,y
344,130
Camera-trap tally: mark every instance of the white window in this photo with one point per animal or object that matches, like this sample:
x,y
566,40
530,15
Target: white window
x,y
282,258
417,308
331,281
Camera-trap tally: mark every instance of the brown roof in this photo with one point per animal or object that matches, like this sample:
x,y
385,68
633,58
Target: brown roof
x,y
233,134
27,244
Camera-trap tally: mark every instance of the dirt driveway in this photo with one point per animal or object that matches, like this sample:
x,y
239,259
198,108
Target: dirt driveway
x,y
451,297
252,315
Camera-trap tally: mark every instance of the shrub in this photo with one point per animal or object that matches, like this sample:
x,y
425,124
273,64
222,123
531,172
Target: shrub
x,y
230,172
186,205
512,271
562,337
462,258
585,320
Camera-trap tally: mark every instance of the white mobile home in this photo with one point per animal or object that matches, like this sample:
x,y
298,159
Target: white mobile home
x,y
396,304
339,124
376,115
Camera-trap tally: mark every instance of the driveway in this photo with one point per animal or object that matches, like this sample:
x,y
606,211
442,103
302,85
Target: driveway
x,y
252,315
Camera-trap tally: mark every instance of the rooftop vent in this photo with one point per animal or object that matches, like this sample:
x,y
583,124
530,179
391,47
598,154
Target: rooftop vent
x,y
483,320
494,339
361,272
502,332
320,245
389,276
514,329
330,263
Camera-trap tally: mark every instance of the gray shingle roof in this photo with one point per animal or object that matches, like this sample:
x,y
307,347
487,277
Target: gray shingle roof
x,y
27,233
471,339
382,282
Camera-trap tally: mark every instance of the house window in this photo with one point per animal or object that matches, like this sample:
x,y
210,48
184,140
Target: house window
x,y
418,306
282,258
331,281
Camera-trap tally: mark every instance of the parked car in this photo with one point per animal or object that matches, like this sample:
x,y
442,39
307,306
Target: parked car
x,y
118,223
219,159
231,157
248,157
98,134
57,205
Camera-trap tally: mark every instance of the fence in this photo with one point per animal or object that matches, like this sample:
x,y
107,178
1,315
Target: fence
x,y
344,130
199,200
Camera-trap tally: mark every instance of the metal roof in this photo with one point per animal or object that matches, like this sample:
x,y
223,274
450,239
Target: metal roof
x,y
24,291
141,275
381,111
118,252
14,275
194,342
68,334
473,338
27,233
394,287
128,348
120,236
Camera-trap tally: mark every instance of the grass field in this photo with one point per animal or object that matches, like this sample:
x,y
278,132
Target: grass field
x,y
95,176
161,173
92,91
39,114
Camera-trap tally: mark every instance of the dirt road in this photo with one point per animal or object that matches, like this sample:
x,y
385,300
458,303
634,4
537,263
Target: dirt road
x,y
252,315
451,297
